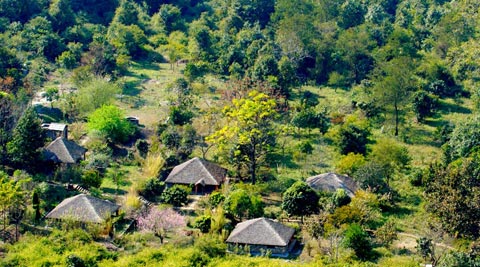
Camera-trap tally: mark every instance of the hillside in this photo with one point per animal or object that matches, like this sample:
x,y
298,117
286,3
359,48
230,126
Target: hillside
x,y
384,93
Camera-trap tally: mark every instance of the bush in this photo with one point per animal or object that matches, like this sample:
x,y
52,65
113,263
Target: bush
x,y
357,239
203,223
142,147
152,189
350,163
340,198
423,105
176,195
216,198
300,200
353,139
91,178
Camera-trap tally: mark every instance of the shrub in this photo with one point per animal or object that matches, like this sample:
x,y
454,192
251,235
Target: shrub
x,y
340,198
216,198
152,189
91,178
350,163
176,195
203,223
357,239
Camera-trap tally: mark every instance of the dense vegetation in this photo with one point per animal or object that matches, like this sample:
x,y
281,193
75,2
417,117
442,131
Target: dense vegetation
x,y
384,91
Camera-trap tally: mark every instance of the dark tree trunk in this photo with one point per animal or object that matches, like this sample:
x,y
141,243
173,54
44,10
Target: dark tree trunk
x,y
396,117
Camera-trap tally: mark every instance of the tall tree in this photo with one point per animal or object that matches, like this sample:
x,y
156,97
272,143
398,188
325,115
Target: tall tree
x,y
394,85
250,130
453,194
28,137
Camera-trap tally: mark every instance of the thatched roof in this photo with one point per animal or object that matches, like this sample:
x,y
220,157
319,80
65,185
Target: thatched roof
x,y
62,150
330,182
83,208
261,231
197,171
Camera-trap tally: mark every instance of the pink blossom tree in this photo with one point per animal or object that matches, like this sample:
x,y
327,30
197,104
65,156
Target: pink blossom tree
x,y
159,222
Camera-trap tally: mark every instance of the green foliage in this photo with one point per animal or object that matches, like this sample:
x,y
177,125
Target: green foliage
x,y
176,195
242,204
91,178
387,233
340,198
300,200
180,115
152,189
128,40
390,155
310,119
57,248
216,198
110,121
94,94
250,130
394,86
373,176
451,192
353,139
142,147
27,138
465,138
350,163
357,239
423,105
203,223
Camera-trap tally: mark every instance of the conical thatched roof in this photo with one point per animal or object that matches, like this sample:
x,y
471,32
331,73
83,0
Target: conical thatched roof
x,y
330,182
62,150
83,208
261,231
197,171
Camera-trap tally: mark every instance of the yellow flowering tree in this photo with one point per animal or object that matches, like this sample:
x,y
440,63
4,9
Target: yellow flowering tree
x,y
249,132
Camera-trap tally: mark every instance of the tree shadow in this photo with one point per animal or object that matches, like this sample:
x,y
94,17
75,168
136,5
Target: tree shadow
x,y
284,159
113,191
446,108
132,88
417,136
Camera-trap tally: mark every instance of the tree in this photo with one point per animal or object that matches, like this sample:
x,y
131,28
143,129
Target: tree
x,y
452,192
94,94
176,195
51,94
464,139
249,130
12,200
240,204
353,139
394,86
203,223
310,119
391,156
128,40
7,123
357,239
423,105
159,222
300,200
152,189
28,137
110,121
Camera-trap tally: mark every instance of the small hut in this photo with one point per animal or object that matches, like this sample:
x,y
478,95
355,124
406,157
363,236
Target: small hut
x,y
204,176
262,235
